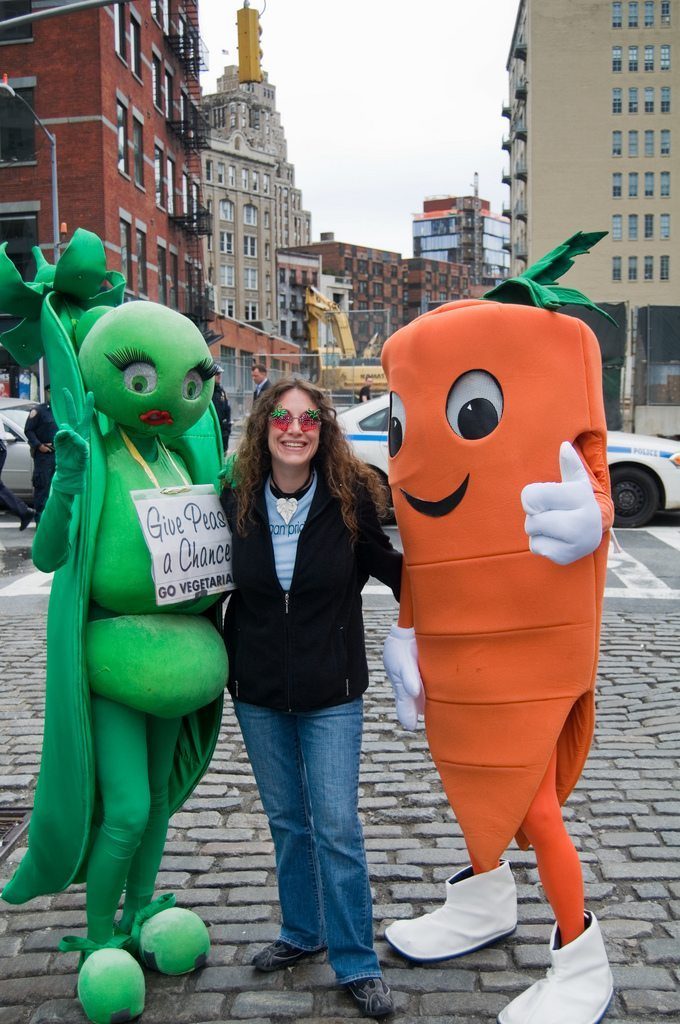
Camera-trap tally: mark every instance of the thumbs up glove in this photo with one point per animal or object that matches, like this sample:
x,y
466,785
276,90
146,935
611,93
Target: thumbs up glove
x,y
563,520
400,658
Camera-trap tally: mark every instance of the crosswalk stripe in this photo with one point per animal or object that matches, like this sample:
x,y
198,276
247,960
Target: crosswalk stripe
x,y
669,535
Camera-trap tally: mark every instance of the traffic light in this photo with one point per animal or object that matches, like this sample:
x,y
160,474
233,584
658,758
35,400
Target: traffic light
x,y
249,52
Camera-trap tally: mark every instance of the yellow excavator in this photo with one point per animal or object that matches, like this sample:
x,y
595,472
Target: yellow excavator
x,y
338,366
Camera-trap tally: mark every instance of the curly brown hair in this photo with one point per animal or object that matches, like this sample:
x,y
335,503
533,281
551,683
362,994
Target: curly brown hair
x,y
343,472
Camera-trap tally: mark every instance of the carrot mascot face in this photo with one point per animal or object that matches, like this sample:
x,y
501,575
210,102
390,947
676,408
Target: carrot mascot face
x,y
483,395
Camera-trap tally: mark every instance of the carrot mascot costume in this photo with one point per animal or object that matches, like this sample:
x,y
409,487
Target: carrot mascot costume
x,y
488,397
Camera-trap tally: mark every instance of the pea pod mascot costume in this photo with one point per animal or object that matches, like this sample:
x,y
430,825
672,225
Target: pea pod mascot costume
x,y
134,691
488,397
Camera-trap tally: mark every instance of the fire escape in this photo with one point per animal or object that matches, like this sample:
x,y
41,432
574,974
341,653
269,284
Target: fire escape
x,y
192,131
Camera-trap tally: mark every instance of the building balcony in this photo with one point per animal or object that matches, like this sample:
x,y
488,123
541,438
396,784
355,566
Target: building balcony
x,y
520,252
520,170
506,143
505,110
199,307
506,177
520,211
519,50
196,222
192,132
506,210
507,245
521,88
520,130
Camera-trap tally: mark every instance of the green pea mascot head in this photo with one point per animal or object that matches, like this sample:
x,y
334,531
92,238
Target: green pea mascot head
x,y
148,367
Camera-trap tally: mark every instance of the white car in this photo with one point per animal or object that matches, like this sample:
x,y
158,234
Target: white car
x,y
645,471
18,469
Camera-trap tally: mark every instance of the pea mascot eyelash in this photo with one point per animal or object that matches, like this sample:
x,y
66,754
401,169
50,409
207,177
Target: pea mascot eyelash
x,y
134,691
488,397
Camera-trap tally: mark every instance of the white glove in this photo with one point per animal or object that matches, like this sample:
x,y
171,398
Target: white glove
x,y
563,520
400,658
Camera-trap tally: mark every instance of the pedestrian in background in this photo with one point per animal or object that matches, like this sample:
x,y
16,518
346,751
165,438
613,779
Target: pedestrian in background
x,y
365,391
303,512
8,498
40,430
260,379
223,409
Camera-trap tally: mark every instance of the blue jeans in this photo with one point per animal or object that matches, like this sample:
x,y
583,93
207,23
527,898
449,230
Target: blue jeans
x,y
306,766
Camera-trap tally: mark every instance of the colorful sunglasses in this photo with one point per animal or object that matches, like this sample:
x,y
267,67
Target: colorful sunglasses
x,y
283,420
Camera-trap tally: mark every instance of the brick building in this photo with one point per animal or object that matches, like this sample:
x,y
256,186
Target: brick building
x,y
464,230
124,108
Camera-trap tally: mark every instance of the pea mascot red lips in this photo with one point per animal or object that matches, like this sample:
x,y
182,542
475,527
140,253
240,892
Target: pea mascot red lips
x,y
156,417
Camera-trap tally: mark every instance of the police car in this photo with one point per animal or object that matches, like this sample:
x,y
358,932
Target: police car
x,y
645,471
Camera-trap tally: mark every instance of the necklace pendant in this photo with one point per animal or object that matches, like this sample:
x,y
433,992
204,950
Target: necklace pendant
x,y
286,507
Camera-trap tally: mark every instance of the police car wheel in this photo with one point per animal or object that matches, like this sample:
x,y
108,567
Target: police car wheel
x,y
635,494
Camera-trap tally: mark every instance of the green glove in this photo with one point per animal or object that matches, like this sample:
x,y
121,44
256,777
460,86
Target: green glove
x,y
72,448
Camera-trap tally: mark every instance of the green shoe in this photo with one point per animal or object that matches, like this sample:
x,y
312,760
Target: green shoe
x,y
111,986
171,940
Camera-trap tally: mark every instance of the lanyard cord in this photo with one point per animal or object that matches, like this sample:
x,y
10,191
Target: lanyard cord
x,y
139,458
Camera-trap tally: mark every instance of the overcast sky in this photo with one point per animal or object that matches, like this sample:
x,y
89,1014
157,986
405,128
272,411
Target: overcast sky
x,y
383,102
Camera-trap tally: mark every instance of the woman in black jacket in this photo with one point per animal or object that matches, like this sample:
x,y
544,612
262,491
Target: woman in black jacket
x,y
303,511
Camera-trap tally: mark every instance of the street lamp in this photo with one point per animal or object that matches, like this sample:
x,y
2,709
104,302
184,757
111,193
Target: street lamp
x,y
6,87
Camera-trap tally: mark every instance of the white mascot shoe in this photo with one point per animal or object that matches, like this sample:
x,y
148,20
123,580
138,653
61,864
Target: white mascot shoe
x,y
479,909
577,989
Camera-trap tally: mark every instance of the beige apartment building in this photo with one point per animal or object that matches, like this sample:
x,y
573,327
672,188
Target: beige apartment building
x,y
249,188
594,143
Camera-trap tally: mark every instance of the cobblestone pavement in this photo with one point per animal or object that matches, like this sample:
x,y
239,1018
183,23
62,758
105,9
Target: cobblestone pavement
x,y
624,817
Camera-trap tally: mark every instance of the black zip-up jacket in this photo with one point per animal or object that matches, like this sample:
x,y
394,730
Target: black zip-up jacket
x,y
304,649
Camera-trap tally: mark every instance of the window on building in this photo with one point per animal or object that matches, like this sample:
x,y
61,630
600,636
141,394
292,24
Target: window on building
x,y
17,129
208,170
141,261
649,58
664,268
617,144
173,294
250,214
632,14
665,183
136,46
265,183
138,150
229,309
250,245
665,102
633,100
186,198
232,176
227,242
126,253
244,177
226,275
226,209
162,259
616,268
665,12
169,94
633,184
162,14
617,104
649,143
250,311
255,181
649,100
20,231
649,184
632,268
267,251
123,159
632,58
170,174
664,225
157,81
649,225
649,13
664,58
158,162
119,30
266,219
633,227
617,232
617,15
648,268
250,278
632,143
617,180
220,173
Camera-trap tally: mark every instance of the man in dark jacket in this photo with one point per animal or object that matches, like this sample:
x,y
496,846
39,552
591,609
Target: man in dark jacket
x,y
223,410
40,430
260,379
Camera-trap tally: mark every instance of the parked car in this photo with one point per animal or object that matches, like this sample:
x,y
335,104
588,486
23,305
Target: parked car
x,y
645,471
18,469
